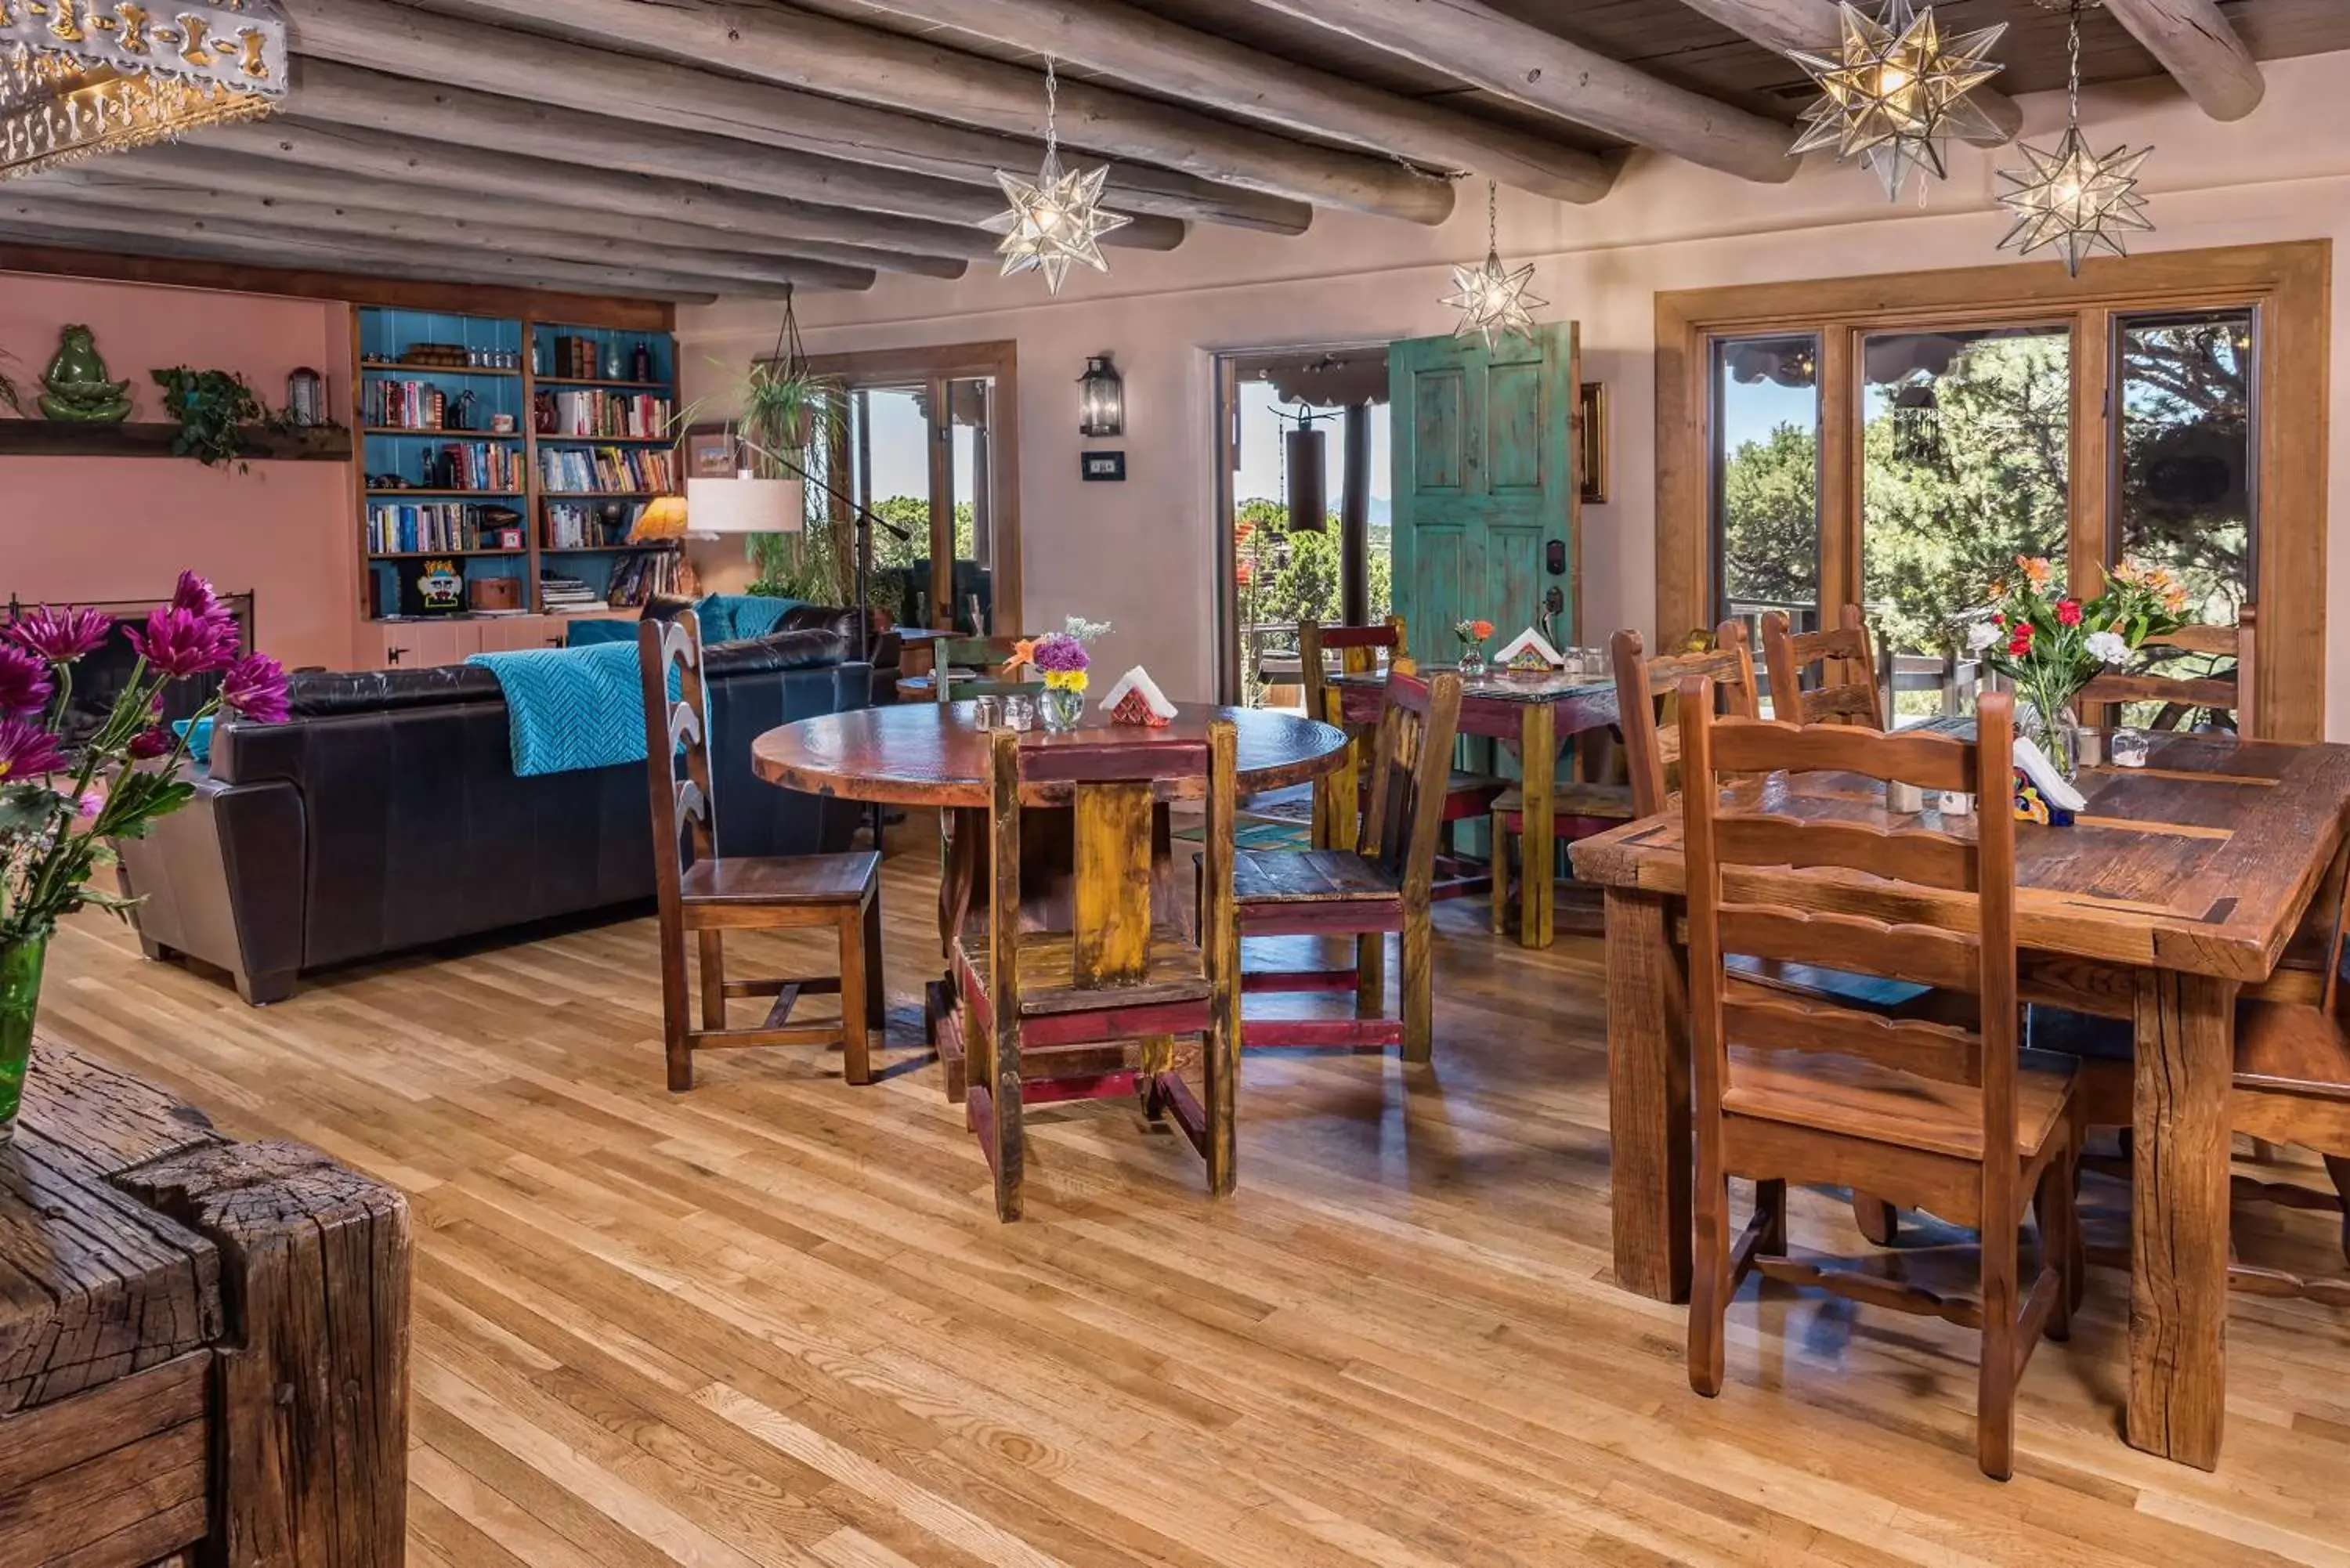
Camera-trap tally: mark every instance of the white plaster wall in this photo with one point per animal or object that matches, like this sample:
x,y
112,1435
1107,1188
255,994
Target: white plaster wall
x,y
1142,555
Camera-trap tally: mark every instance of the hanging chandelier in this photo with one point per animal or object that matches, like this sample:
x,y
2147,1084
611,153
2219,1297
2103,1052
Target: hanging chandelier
x,y
2070,196
1492,300
1896,91
78,77
1056,219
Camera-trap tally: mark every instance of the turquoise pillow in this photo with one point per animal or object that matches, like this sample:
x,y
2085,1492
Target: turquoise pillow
x,y
731,617
200,739
588,633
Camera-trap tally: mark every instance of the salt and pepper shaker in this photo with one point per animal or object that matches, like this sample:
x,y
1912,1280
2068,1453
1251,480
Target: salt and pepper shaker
x,y
1957,803
1906,798
1019,713
987,712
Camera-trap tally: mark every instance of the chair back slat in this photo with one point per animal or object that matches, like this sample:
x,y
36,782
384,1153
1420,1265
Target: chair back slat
x,y
1336,824
1964,891
1645,690
1826,677
988,655
2177,696
684,809
1112,897
1411,769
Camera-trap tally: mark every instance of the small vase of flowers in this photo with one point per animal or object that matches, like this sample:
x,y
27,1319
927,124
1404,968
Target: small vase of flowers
x,y
1473,635
1064,662
2052,645
61,803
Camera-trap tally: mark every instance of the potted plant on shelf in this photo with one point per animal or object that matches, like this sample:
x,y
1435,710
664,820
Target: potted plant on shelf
x,y
2052,645
61,805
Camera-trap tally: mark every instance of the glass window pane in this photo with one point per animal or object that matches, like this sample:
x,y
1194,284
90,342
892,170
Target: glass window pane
x,y
1966,442
2186,497
1766,479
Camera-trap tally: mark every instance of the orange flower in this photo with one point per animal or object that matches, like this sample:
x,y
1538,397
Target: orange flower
x,y
1483,629
2037,570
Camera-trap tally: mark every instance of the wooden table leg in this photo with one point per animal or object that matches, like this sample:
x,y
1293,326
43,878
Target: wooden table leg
x,y
1538,761
1647,1096
2178,1216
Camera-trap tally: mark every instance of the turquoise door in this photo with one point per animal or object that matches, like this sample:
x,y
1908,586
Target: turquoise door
x,y
1483,486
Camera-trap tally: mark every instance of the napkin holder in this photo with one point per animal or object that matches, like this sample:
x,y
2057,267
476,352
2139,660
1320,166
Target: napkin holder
x,y
1136,699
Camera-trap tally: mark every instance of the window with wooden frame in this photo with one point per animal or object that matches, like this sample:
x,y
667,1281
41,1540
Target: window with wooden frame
x,y
1895,441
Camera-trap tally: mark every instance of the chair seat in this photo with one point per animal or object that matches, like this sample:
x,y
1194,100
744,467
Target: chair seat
x,y
1309,875
782,879
1611,803
1462,782
1048,982
2292,1048
1854,1098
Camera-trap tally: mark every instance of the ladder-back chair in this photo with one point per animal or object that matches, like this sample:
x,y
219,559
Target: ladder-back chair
x,y
1800,1090
1110,972
2177,697
1845,691
708,896
1339,796
1387,884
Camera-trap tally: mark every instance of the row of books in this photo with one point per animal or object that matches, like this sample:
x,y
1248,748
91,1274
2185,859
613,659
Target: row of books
x,y
637,579
571,472
640,416
572,526
405,529
475,465
414,406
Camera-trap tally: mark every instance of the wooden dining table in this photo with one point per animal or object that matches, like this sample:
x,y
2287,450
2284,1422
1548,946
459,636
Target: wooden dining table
x,y
2181,882
1536,711
932,754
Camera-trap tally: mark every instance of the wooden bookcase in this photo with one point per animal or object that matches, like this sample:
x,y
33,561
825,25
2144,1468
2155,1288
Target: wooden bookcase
x,y
504,516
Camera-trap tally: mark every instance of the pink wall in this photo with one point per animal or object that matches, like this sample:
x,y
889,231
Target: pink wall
x,y
104,528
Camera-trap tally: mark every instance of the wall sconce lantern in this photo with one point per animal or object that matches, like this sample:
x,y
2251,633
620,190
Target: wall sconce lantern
x,y
1101,399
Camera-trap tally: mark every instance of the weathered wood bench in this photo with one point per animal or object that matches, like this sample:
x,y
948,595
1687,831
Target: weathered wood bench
x,y
203,1343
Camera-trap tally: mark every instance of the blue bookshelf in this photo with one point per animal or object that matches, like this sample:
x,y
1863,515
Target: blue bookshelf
x,y
554,492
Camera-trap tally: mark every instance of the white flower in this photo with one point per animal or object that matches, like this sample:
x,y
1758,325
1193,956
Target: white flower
x,y
2107,648
1980,635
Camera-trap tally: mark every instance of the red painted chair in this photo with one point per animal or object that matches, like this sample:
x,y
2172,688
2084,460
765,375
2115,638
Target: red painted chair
x,y
1386,886
1110,974
1338,797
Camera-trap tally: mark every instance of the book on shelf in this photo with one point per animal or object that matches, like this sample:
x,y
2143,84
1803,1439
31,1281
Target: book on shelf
x,y
572,472
637,579
586,414
405,529
581,525
557,592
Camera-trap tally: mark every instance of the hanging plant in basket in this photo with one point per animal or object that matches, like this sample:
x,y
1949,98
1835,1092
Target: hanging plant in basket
x,y
210,406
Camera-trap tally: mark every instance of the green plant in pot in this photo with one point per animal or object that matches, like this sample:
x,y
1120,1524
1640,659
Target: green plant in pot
x,y
64,804
210,406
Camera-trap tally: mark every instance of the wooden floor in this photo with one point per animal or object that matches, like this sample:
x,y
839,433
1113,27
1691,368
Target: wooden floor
x,y
774,1320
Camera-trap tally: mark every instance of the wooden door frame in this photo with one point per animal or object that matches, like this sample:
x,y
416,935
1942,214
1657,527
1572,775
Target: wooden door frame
x,y
933,366
2289,285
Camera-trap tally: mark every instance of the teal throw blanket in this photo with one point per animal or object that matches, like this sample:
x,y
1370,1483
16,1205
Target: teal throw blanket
x,y
731,617
572,708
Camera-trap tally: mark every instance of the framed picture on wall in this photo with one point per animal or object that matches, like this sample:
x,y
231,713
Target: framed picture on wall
x,y
711,453
1591,442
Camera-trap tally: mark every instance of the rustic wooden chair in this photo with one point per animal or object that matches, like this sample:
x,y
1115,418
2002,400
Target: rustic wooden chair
x,y
708,895
1790,1089
1844,691
1113,974
1338,797
2178,697
1387,884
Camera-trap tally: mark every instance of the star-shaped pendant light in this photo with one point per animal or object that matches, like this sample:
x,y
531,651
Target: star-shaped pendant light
x,y
1491,299
1896,91
2072,196
1056,219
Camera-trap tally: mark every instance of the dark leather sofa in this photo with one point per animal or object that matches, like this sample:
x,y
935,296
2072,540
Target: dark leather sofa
x,y
386,814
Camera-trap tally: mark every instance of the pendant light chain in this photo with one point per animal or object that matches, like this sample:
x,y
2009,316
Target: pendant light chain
x,y
1052,107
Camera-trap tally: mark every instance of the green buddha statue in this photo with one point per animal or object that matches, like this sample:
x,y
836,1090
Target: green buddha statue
x,y
75,389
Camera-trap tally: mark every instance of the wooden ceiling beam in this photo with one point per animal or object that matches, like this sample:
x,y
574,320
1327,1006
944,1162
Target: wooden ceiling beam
x,y
1148,51
2197,45
1782,25
1471,41
665,95
201,211
233,175
488,175
823,54
102,230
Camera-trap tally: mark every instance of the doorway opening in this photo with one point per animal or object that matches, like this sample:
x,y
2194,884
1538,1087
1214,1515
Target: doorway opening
x,y
1302,494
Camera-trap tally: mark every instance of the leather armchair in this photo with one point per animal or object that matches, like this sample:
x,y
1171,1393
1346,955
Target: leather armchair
x,y
386,814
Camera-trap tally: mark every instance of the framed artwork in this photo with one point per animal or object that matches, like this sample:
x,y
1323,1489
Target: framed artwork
x,y
711,452
1591,442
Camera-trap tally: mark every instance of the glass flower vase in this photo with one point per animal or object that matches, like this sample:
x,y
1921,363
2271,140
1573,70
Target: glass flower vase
x,y
20,1000
2059,739
1062,707
1472,661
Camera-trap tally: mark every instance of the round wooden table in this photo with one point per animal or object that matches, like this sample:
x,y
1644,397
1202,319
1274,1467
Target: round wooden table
x,y
933,755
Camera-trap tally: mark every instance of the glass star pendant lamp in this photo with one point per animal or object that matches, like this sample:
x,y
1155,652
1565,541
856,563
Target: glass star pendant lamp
x,y
1056,219
2070,196
1491,299
1895,90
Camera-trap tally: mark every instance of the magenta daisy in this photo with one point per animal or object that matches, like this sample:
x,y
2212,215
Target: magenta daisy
x,y
24,681
61,636
27,751
256,687
180,641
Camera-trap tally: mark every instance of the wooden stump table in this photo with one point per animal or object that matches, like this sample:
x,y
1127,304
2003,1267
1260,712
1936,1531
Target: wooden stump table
x,y
203,1343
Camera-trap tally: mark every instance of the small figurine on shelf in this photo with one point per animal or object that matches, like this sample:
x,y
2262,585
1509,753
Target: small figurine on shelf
x,y
612,372
460,412
641,362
